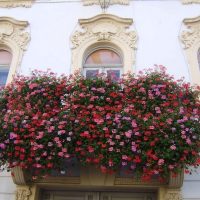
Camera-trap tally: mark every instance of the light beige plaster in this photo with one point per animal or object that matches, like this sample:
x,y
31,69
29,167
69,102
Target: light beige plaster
x,y
191,44
102,30
14,39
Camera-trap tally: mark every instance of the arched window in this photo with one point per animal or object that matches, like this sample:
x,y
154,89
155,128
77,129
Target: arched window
x,y
5,62
103,60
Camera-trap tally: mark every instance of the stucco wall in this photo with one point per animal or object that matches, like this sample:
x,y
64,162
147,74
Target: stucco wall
x,y
158,25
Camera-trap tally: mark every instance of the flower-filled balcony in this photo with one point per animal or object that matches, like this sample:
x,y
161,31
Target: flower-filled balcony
x,y
141,129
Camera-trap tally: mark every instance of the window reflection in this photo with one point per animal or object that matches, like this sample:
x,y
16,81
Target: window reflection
x,y
5,61
103,56
113,74
104,61
92,73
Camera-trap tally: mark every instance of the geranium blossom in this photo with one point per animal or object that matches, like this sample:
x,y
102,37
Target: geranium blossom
x,y
148,123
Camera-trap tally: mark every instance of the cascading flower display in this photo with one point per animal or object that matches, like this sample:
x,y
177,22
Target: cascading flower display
x,y
147,123
29,110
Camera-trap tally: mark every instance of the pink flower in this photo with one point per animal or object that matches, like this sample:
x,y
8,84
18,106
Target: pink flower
x,y
151,127
134,124
161,162
90,149
121,143
133,148
124,163
188,141
124,157
110,163
61,132
173,147
56,139
117,137
169,121
61,154
110,149
13,135
101,90
2,146
33,85
128,134
40,135
50,144
171,167
98,120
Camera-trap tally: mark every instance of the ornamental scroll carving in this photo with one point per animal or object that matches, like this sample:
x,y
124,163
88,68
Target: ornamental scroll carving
x,y
190,1
173,195
13,31
96,2
13,36
190,39
15,3
104,28
23,194
192,36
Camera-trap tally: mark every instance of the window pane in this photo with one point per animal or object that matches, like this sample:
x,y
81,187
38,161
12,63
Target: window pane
x,y
5,57
103,56
113,74
91,73
3,77
5,61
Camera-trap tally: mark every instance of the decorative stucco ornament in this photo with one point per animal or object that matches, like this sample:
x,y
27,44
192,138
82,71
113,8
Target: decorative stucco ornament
x,y
23,193
15,3
14,38
105,3
97,2
192,35
106,30
190,1
190,38
173,195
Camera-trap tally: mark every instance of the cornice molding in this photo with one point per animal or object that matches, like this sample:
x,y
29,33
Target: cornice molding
x,y
15,3
190,1
96,2
127,21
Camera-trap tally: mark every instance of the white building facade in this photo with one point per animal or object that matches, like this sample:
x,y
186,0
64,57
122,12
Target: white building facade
x,y
61,34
